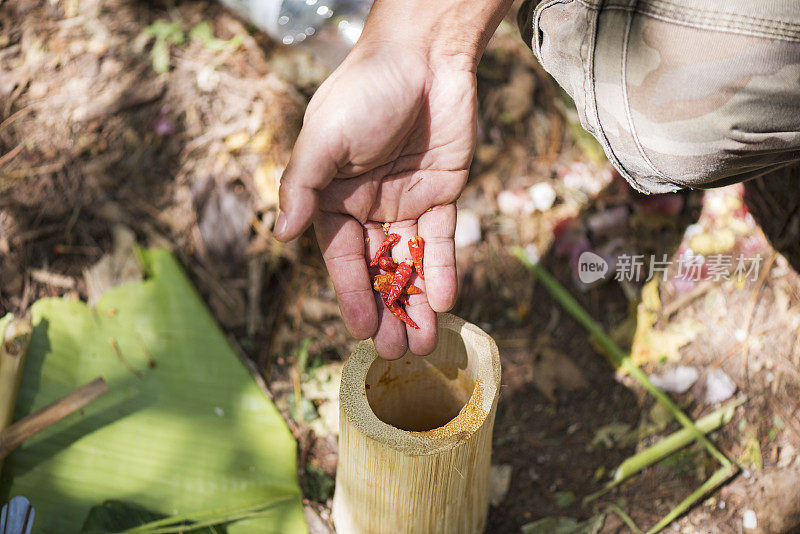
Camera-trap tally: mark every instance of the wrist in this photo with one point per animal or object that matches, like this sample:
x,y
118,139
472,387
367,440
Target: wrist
x,y
451,34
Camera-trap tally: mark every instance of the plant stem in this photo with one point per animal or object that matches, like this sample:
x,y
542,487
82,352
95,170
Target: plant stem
x,y
625,518
667,446
204,517
720,475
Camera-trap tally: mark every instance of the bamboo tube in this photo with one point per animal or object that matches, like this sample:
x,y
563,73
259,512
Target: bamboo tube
x,y
415,436
14,343
13,350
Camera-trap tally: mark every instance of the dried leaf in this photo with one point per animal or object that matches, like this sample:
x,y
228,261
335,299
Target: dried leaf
x,y
552,370
650,345
751,455
609,435
120,266
237,141
564,498
499,481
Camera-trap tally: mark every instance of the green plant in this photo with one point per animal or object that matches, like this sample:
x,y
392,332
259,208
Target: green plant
x,y
165,34
204,33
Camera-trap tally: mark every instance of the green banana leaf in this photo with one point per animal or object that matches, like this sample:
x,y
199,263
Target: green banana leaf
x,y
183,429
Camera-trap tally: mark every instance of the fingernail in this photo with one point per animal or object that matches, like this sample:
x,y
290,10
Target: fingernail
x,y
280,225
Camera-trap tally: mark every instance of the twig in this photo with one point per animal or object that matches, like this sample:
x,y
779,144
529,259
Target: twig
x,y
151,362
52,279
14,116
35,233
84,250
10,154
625,518
255,282
753,300
47,168
279,304
128,365
696,292
16,434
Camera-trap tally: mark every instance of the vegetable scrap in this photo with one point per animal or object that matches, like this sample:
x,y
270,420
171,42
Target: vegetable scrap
x,y
394,287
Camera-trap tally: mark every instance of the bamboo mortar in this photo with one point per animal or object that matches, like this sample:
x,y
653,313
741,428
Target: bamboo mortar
x,y
415,436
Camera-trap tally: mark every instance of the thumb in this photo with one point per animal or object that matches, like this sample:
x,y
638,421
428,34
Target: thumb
x,y
311,167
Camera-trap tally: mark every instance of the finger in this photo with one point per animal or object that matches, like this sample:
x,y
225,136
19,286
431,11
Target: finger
x,y
311,167
341,239
437,227
422,340
390,340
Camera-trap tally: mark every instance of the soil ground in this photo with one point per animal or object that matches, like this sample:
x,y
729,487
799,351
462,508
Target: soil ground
x,y
92,137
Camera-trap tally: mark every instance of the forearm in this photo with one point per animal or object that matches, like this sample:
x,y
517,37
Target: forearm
x,y
452,32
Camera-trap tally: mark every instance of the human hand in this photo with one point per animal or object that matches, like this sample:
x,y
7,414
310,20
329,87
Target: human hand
x,y
389,138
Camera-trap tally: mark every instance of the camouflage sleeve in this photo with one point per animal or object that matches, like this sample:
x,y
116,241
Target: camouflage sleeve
x,y
680,93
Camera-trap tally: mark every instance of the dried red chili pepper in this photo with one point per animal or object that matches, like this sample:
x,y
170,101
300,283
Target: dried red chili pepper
x,y
399,312
382,284
387,263
399,280
390,241
416,246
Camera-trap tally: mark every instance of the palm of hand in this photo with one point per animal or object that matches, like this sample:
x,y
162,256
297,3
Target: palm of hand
x,y
392,142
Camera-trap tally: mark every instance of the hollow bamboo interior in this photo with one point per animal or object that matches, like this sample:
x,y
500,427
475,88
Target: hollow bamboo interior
x,y
416,435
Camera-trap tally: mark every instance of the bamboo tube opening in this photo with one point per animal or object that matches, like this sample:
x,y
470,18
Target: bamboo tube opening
x,y
420,393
